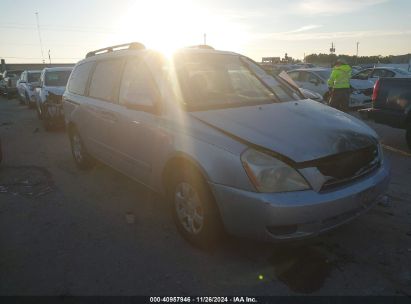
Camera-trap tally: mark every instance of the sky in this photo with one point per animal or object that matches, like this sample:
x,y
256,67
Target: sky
x,y
255,28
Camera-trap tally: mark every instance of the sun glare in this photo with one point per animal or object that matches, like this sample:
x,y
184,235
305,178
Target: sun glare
x,y
169,25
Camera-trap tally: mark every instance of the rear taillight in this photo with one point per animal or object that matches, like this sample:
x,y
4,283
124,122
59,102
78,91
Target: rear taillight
x,y
376,89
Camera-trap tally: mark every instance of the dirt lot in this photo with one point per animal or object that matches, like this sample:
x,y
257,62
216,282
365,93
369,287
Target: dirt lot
x,y
68,232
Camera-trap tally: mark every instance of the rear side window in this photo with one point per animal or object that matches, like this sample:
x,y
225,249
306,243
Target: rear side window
x,y
79,77
137,87
105,80
363,75
382,73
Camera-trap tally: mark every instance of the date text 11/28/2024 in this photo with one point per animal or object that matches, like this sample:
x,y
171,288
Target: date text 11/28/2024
x,y
203,300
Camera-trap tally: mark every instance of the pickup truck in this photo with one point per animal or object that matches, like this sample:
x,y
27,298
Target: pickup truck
x,y
8,82
391,104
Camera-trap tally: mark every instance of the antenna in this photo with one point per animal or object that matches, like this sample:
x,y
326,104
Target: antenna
x,y
38,30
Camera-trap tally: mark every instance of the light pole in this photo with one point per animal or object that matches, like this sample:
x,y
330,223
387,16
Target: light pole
x,y
38,30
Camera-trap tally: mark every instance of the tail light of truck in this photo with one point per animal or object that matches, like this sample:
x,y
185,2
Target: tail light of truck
x,y
375,92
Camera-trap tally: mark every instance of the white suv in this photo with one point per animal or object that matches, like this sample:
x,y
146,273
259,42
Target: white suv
x,y
49,92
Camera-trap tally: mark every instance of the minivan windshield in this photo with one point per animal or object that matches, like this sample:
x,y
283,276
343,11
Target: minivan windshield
x,y
57,78
33,77
220,80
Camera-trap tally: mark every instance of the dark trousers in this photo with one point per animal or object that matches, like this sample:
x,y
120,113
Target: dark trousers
x,y
340,99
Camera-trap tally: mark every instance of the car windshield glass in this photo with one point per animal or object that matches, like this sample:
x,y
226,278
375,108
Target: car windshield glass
x,y
324,74
57,78
33,77
14,73
219,80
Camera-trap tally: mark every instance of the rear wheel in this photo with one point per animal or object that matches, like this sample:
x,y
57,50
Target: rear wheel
x,y
194,209
408,135
81,157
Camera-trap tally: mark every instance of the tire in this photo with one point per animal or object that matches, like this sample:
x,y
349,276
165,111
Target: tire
x,y
21,100
27,100
81,157
408,135
8,93
39,111
194,209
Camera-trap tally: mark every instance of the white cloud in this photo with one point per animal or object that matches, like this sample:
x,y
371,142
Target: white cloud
x,y
305,28
327,7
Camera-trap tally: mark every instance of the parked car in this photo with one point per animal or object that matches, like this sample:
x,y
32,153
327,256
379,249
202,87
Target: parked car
x,y
392,104
229,151
373,74
8,82
315,79
26,87
52,85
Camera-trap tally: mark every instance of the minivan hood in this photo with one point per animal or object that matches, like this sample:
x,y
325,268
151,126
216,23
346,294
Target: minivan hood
x,y
301,130
56,90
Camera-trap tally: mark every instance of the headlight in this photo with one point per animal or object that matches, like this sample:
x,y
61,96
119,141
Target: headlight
x,y
268,174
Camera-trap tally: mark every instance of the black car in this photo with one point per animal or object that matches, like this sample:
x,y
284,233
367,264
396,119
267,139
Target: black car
x,y
392,104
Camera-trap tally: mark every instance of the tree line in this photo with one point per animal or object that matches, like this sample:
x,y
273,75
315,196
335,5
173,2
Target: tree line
x,y
325,59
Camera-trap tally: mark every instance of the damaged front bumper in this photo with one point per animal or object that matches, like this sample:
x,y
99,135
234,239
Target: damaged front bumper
x,y
297,215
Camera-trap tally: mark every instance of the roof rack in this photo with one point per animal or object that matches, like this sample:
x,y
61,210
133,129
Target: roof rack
x,y
201,46
130,46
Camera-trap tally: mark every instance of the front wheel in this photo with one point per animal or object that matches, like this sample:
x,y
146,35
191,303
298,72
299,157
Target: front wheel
x,y
81,157
8,93
194,209
408,135
39,111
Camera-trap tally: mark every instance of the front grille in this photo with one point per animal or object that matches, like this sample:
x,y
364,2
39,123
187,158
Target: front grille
x,y
349,166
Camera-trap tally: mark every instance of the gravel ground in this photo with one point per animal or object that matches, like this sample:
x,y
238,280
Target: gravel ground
x,y
68,232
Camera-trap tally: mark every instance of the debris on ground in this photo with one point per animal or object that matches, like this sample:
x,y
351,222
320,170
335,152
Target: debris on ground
x,y
28,181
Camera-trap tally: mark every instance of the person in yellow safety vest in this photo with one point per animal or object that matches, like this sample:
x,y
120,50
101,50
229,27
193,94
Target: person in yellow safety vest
x,y
339,85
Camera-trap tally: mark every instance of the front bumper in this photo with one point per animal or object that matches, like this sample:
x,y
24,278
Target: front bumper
x,y
297,215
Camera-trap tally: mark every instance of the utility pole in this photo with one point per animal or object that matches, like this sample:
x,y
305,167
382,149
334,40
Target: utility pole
x,y
356,56
38,30
49,57
332,52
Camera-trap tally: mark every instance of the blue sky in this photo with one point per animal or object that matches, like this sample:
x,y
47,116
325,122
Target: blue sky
x,y
256,28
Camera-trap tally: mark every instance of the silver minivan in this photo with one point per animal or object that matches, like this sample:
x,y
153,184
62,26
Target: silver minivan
x,y
234,149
